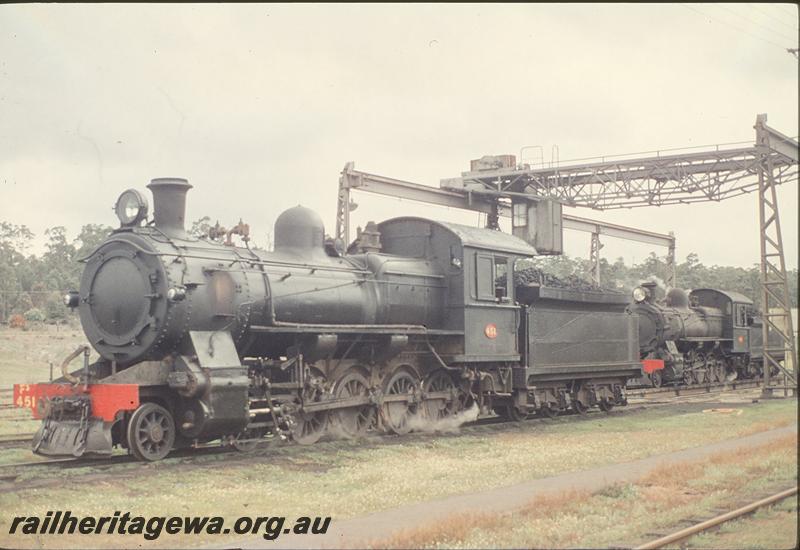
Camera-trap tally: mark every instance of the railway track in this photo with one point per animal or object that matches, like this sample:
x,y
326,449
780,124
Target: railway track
x,y
269,446
640,396
678,391
6,397
639,393
715,522
15,441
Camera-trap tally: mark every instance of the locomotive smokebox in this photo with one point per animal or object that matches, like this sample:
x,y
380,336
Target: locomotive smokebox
x,y
169,202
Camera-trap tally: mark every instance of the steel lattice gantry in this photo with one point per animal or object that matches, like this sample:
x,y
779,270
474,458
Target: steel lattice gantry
x,y
775,300
659,178
710,174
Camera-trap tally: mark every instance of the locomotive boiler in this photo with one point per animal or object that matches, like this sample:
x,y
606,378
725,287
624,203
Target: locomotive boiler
x,y
203,339
146,288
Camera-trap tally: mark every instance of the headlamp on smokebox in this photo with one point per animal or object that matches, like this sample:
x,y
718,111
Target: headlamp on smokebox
x,y
131,208
640,294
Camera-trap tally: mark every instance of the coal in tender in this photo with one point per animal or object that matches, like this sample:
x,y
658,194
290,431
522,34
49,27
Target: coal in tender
x,y
535,276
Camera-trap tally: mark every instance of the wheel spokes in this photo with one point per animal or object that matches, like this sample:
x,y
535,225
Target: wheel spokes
x,y
355,420
151,432
397,413
439,408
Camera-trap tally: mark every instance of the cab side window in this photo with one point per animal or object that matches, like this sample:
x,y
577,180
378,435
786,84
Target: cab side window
x,y
740,320
500,278
484,271
492,277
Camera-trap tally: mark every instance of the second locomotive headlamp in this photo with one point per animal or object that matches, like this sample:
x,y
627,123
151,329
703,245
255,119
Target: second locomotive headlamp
x,y
639,294
131,208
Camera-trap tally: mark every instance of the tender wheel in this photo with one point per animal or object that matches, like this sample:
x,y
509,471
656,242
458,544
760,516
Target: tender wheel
x,y
512,413
606,404
548,411
438,408
309,427
151,432
353,421
398,414
579,407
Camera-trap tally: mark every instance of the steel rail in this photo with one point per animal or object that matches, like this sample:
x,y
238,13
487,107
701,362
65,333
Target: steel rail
x,y
713,522
643,391
11,440
479,425
7,441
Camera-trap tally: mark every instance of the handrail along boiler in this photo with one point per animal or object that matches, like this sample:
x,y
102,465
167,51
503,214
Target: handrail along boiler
x,y
202,340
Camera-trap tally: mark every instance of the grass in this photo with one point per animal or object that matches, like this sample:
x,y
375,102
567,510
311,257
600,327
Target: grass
x,y
351,480
16,422
25,356
625,513
767,528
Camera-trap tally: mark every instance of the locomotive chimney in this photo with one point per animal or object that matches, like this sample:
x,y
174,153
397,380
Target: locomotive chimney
x,y
169,203
651,287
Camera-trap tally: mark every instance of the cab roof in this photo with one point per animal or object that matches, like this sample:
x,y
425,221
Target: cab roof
x,y
729,294
473,237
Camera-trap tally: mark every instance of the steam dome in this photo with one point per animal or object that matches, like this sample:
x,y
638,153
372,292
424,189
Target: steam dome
x,y
677,297
299,228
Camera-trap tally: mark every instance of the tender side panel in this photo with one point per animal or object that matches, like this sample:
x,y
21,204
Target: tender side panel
x,y
572,338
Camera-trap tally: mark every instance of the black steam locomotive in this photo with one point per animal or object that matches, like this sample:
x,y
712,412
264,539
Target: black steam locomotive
x,y
705,336
200,339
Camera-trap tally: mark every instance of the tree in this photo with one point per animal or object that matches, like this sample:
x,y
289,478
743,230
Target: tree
x,y
14,240
54,309
792,274
200,227
90,237
61,270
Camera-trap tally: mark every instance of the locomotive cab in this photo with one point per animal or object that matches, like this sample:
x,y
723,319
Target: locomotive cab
x,y
476,266
734,308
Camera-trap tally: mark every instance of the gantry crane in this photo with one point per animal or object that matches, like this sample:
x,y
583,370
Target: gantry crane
x,y
533,197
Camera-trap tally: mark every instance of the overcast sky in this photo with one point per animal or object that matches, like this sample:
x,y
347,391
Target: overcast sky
x,y
261,106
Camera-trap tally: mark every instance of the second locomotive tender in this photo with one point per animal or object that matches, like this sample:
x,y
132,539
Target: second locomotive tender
x,y
202,340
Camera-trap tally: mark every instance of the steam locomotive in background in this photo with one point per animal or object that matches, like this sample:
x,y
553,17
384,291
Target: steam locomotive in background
x,y
200,339
701,337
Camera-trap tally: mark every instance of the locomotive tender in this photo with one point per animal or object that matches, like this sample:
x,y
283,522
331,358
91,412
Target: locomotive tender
x,y
704,336
200,339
